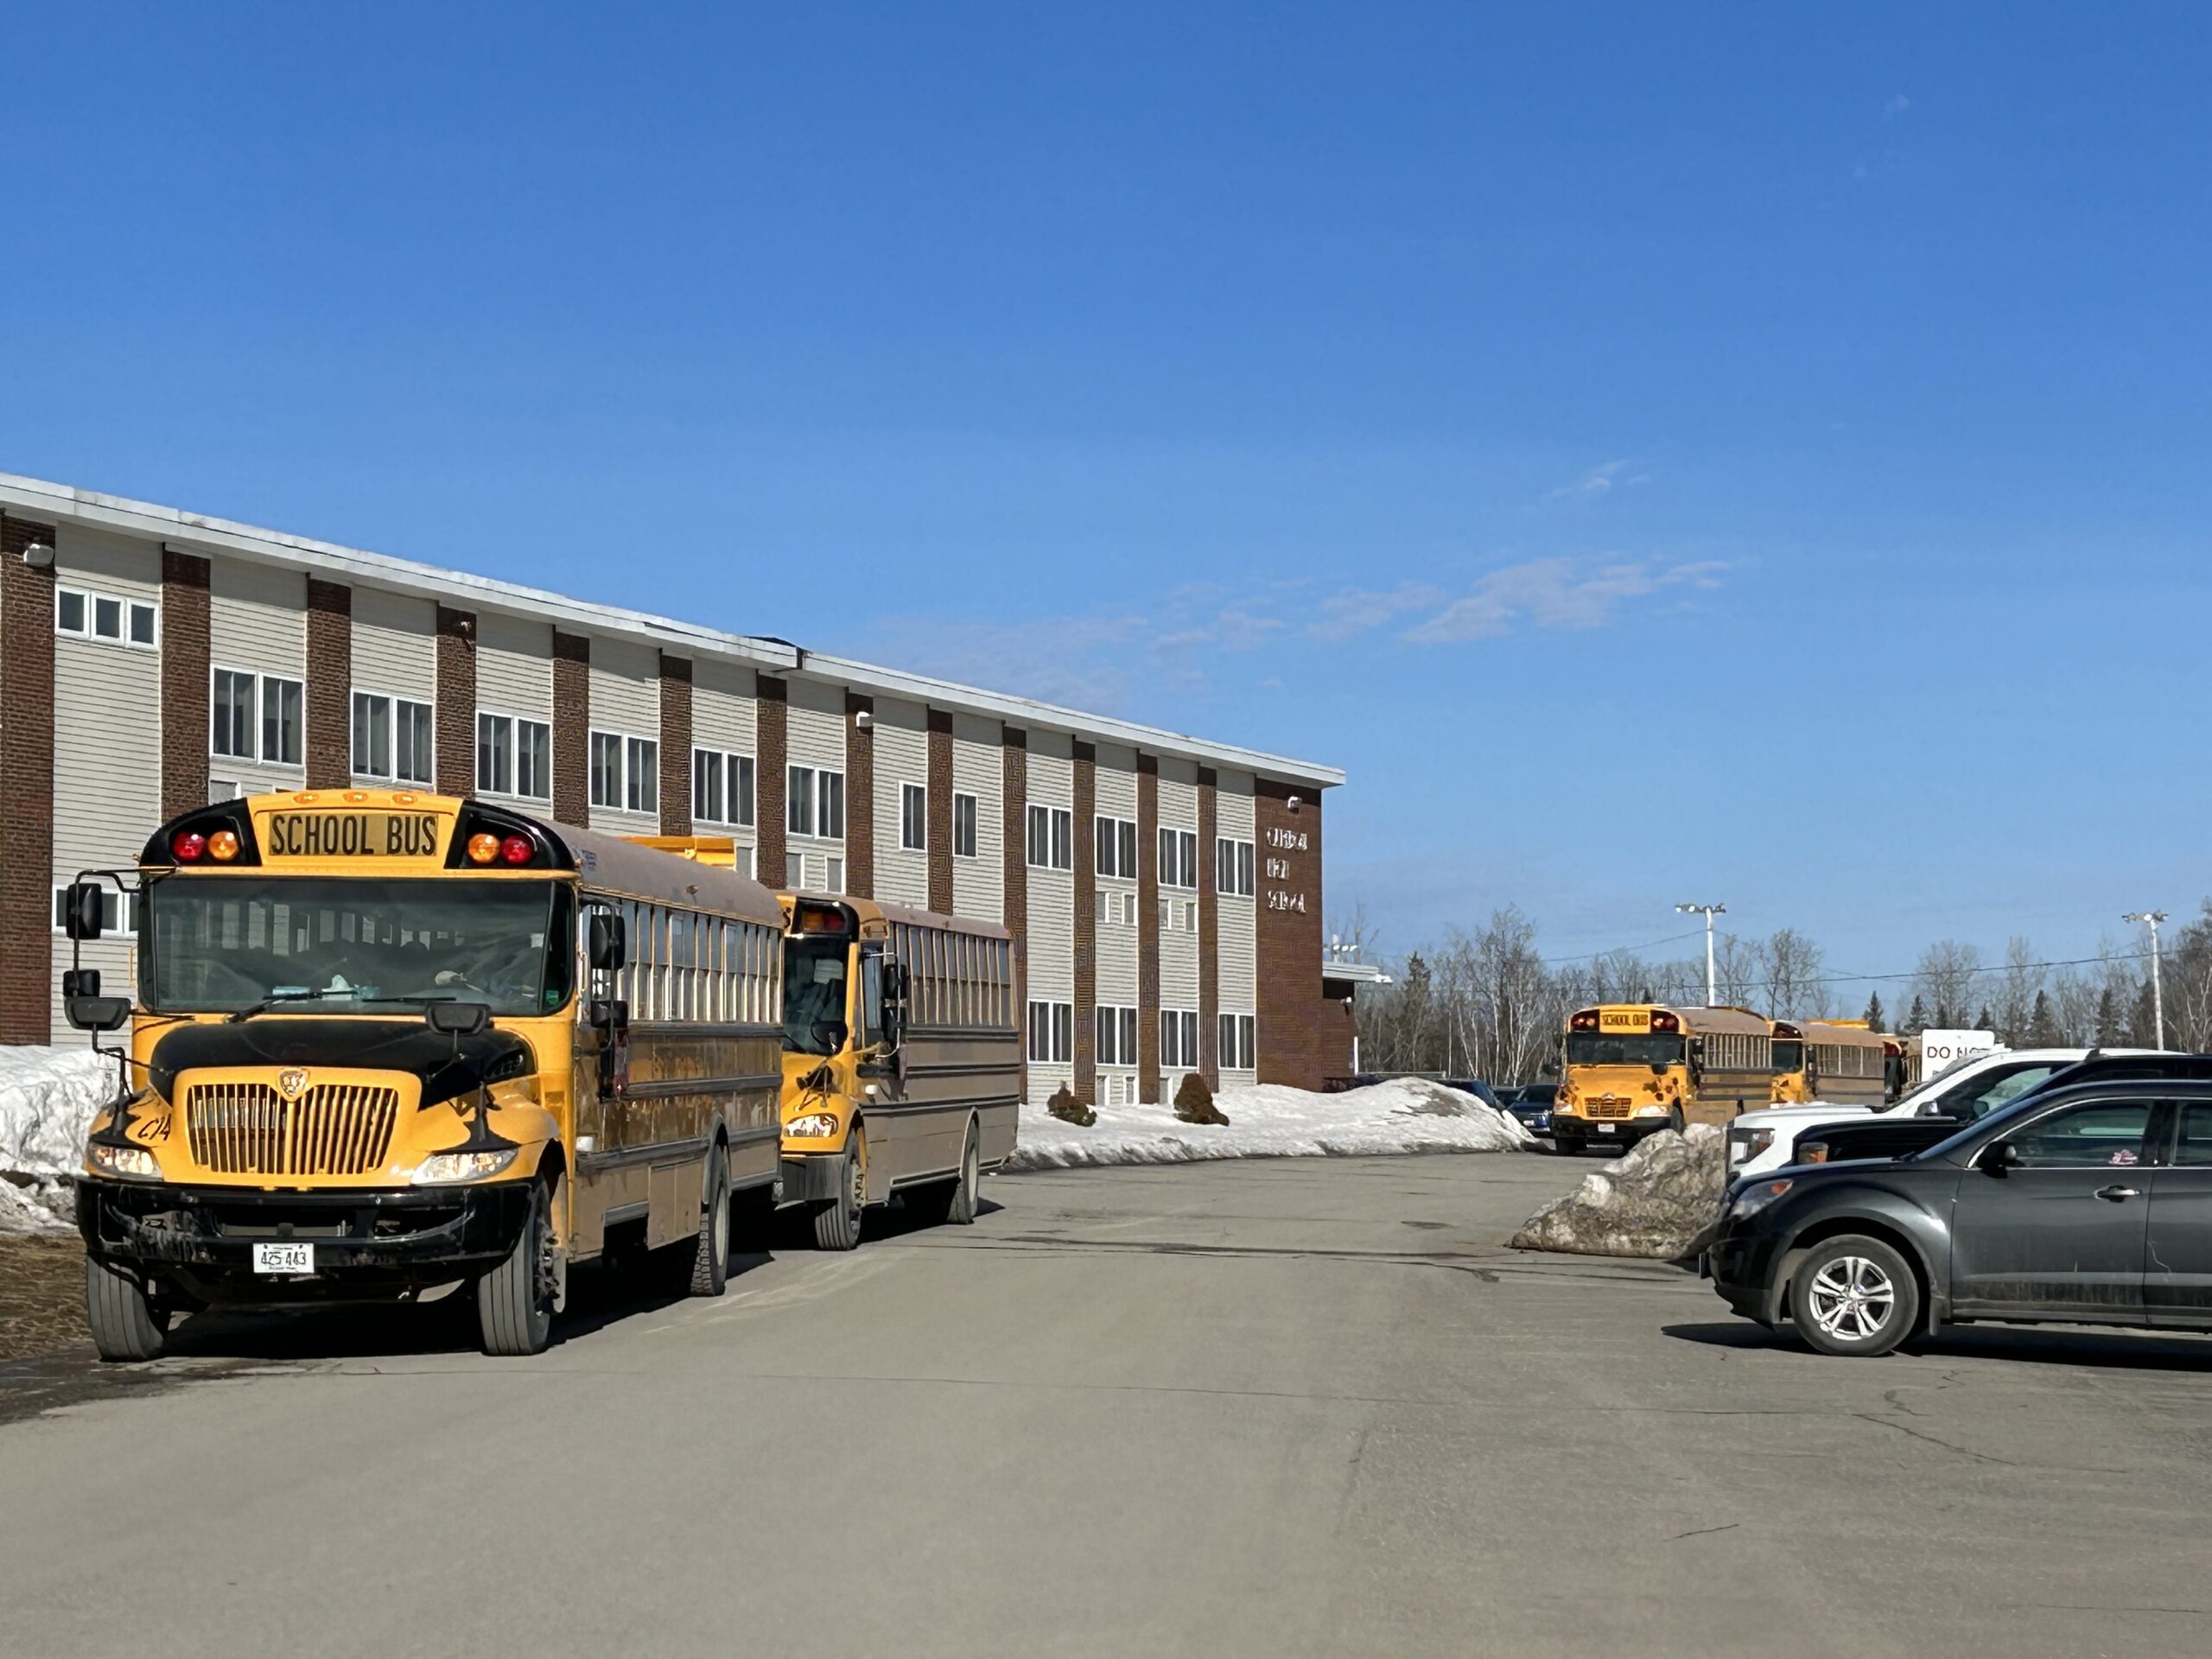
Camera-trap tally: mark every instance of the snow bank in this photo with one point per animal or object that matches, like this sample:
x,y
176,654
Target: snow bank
x,y
1270,1121
47,1100
42,1207
1661,1199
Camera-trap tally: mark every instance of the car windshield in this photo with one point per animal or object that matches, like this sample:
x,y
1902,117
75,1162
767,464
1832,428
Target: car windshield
x,y
814,996
1609,1048
1985,1091
221,945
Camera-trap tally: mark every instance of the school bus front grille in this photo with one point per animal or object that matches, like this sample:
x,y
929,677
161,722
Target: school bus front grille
x,y
1607,1106
247,1128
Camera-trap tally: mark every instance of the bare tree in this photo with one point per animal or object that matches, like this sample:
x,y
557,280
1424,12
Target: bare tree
x,y
1946,978
1794,990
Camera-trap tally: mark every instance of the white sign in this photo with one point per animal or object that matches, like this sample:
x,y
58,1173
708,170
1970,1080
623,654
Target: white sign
x,y
1291,840
1940,1049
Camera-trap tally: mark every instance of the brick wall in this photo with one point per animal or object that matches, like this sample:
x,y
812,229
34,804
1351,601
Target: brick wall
x,y
1086,922
1208,934
1292,1048
571,728
860,796
186,710
330,685
26,785
1014,860
940,809
674,745
1148,927
771,777
456,702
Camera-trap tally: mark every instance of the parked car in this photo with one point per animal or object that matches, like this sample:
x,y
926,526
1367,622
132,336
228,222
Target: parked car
x,y
1478,1088
2087,1202
1532,1104
1767,1140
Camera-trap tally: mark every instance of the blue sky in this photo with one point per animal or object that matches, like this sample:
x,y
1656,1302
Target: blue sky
x,y
1661,453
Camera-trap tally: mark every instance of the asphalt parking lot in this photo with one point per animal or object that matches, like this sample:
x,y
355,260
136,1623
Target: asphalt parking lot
x,y
1294,1407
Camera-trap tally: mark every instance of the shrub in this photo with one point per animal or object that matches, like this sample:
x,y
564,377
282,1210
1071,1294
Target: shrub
x,y
1069,1108
1194,1101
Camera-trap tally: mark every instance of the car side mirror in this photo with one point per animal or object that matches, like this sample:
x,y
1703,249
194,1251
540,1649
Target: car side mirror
x,y
456,1019
606,944
81,911
1997,1157
99,1013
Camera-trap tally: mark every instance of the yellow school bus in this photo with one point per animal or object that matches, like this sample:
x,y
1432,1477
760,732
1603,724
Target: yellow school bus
x,y
1629,1070
1845,1062
902,1060
389,1045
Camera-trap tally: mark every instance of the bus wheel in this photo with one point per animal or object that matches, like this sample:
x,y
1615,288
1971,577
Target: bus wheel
x,y
708,1252
514,1300
837,1223
1568,1146
954,1200
125,1325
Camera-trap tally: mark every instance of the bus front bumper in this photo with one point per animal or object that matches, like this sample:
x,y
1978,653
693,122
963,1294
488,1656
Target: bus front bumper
x,y
1605,1131
367,1241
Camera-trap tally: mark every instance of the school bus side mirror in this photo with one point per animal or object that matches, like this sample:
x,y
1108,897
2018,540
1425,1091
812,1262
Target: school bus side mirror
x,y
99,1013
81,911
607,943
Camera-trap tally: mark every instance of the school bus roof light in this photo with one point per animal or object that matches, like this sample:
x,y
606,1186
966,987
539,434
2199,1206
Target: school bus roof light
x,y
189,846
1586,1020
820,919
483,848
1662,1020
223,846
515,849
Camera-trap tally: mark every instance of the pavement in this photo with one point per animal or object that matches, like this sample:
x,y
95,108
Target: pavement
x,y
1273,1407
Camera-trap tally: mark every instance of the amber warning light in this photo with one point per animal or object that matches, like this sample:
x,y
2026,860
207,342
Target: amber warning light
x,y
819,919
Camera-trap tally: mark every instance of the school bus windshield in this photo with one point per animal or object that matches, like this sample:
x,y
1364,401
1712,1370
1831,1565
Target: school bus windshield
x,y
814,996
1789,1056
219,945
1611,1048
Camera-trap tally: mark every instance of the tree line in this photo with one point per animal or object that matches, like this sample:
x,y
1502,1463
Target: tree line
x,y
1484,1002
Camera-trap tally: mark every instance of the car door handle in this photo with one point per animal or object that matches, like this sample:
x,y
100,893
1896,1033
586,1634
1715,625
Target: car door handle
x,y
2118,1194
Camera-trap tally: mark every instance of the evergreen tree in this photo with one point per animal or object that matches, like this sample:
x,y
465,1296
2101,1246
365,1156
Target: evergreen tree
x,y
2107,1032
1984,1023
1915,1019
1873,1014
2142,1022
2042,1023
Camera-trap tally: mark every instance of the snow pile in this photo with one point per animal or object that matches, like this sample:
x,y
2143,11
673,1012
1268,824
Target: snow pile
x,y
1271,1121
1662,1199
49,1097
43,1207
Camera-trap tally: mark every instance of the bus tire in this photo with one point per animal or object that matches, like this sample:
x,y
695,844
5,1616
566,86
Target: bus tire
x,y
125,1325
953,1201
837,1223
514,1300
707,1264
1568,1146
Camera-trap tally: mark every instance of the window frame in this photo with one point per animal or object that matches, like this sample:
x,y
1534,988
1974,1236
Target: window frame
x,y
128,609
731,765
393,703
122,930
515,723
1233,856
913,817
1122,842
966,826
257,721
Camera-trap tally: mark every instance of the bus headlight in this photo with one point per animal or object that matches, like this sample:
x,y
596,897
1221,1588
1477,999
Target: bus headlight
x,y
815,1126
1651,1111
445,1169
124,1163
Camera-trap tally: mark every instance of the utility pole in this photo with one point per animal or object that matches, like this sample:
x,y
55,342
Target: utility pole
x,y
1708,912
2150,918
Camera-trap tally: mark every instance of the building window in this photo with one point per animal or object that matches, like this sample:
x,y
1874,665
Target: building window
x,y
1051,838
1178,915
118,910
913,817
1179,1038
794,871
257,717
1117,907
815,804
392,738
1178,858
721,787
1232,868
963,825
1118,847
514,756
1118,1035
606,769
833,879
624,772
1052,1032
82,615
1237,1042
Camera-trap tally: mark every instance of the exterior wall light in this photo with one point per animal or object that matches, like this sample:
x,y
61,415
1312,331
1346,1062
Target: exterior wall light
x,y
38,555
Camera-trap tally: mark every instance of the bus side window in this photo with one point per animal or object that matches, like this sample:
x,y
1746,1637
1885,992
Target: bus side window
x,y
871,999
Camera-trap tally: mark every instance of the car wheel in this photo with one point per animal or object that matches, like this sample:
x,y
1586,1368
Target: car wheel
x,y
1854,1295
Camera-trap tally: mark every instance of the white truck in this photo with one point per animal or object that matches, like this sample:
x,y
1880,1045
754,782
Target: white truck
x,y
1969,1088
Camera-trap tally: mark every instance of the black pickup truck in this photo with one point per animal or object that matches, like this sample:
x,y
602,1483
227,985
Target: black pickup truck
x,y
1900,1137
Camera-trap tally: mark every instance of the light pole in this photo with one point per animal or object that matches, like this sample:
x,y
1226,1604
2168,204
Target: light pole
x,y
1708,912
2150,918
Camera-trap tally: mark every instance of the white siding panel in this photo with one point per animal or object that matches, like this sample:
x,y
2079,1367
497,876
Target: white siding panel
x,y
256,620
723,707
514,666
1178,970
1233,804
1237,958
1117,963
107,743
815,725
1051,781
902,756
625,687
395,644
1178,805
1117,776
978,769
1052,935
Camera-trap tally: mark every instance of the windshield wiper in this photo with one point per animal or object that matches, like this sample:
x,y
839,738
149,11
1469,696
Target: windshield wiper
x,y
276,999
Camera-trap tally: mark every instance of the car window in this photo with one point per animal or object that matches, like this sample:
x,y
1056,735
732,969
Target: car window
x,y
2108,1132
1985,1092
2195,1145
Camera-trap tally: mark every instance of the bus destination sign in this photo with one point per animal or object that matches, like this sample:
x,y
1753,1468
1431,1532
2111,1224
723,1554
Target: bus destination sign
x,y
353,835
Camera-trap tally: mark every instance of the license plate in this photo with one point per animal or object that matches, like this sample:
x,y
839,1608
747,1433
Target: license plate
x,y
1606,1128
284,1258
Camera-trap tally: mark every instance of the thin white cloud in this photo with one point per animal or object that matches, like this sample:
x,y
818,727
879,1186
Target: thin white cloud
x,y
1556,593
1344,615
1601,480
1895,107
